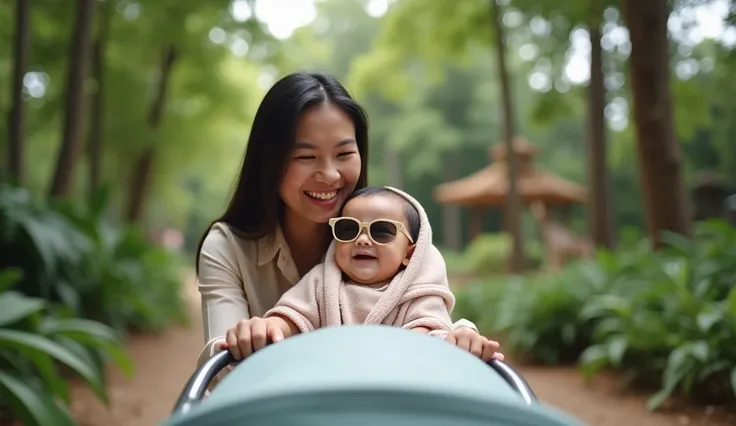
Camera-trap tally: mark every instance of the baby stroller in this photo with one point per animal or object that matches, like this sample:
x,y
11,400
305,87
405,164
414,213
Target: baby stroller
x,y
362,375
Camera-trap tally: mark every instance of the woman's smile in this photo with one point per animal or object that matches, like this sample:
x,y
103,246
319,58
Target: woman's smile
x,y
326,200
322,195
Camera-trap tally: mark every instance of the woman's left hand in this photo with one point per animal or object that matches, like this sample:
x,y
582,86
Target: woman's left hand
x,y
468,339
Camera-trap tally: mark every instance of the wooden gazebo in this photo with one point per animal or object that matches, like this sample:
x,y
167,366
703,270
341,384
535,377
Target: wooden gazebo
x,y
489,186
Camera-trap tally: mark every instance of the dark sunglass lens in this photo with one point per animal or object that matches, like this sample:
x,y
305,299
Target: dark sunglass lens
x,y
383,232
346,229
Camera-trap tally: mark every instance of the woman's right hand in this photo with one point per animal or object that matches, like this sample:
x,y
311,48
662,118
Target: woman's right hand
x,y
250,335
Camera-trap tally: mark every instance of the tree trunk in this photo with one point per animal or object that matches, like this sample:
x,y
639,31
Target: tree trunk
x,y
513,200
659,154
452,236
141,174
66,162
599,213
17,116
97,115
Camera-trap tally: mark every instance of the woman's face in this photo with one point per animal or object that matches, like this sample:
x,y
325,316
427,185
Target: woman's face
x,y
324,165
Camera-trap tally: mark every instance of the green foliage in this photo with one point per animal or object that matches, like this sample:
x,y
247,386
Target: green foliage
x,y
487,254
212,97
39,346
69,254
669,315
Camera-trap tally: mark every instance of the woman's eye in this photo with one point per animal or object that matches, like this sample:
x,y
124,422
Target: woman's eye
x,y
304,157
346,154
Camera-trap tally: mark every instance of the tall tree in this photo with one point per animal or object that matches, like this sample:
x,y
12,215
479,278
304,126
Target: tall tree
x,y
599,213
659,154
144,165
63,176
97,111
512,219
17,116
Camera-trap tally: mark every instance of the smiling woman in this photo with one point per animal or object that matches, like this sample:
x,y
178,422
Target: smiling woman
x,y
324,167
305,157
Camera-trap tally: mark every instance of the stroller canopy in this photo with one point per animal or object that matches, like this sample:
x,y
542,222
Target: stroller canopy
x,y
366,375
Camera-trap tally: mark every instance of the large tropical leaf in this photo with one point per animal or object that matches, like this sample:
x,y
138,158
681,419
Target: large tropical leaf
x,y
31,406
90,333
33,344
14,306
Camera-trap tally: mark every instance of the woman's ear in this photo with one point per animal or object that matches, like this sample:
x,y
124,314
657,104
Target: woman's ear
x,y
409,253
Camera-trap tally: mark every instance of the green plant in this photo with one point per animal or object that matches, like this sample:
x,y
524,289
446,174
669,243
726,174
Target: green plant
x,y
35,340
676,318
486,255
537,315
667,316
70,254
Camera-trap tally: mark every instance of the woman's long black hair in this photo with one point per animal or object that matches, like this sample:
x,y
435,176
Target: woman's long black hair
x,y
255,206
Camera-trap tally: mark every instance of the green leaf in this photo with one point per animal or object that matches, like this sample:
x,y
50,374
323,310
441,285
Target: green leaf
x,y
593,359
679,364
731,302
700,351
656,400
32,343
604,304
616,349
34,408
15,306
49,373
8,277
91,333
678,242
707,318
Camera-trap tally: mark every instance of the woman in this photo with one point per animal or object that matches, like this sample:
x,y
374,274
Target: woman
x,y
307,152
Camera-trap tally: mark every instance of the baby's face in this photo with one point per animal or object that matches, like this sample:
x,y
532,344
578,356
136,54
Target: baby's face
x,y
362,260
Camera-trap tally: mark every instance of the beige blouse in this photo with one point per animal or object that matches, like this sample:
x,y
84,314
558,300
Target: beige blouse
x,y
239,278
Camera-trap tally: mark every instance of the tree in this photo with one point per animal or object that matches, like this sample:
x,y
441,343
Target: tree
x,y
513,199
143,166
659,154
97,110
435,37
599,212
61,183
17,116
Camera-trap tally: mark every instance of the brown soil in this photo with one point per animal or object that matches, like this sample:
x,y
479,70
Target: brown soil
x,y
165,362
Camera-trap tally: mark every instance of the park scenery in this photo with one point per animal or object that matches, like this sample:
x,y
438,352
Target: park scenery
x,y
577,161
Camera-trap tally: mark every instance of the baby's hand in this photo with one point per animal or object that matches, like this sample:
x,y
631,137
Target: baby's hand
x,y
251,335
469,340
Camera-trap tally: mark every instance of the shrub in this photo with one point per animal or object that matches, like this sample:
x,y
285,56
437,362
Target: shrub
x,y
670,314
69,254
488,254
537,315
676,318
35,341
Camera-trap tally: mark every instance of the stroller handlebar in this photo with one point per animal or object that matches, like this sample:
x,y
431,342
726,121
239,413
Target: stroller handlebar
x,y
203,376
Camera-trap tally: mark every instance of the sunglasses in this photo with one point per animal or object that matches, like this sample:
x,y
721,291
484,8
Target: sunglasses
x,y
380,231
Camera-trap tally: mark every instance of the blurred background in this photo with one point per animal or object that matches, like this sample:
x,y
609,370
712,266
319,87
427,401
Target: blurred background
x,y
577,161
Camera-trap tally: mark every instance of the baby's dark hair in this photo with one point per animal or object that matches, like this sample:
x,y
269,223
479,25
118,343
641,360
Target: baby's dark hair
x,y
413,221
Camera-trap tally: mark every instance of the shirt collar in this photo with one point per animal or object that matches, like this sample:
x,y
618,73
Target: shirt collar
x,y
270,245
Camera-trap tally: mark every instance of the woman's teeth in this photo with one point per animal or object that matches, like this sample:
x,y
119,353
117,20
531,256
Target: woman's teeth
x,y
322,195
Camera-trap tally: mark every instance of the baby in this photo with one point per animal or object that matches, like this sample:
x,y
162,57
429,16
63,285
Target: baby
x,y
380,269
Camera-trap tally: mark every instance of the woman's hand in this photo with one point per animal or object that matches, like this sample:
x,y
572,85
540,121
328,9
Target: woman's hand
x,y
251,335
468,339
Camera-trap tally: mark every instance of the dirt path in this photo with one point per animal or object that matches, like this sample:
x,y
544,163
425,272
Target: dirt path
x,y
165,362
602,404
